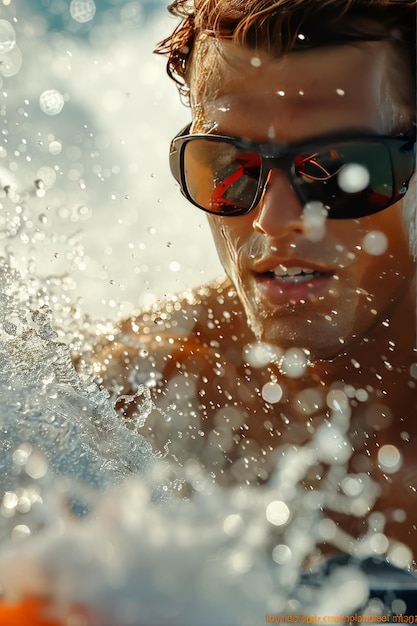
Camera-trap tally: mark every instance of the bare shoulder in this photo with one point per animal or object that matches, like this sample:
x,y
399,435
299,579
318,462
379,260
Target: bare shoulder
x,y
183,332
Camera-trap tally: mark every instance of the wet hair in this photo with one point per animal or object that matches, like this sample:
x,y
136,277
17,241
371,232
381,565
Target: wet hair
x,y
280,26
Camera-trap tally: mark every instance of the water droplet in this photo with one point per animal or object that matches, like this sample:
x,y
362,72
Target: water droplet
x,y
9,500
331,444
261,354
241,562
353,178
233,525
82,10
398,606
389,459
281,554
375,243
7,37
51,102
256,62
399,516
22,453
327,529
272,392
174,266
400,555
55,147
337,401
21,531
379,543
314,219
36,465
293,363
277,513
361,395
352,486
11,62
81,212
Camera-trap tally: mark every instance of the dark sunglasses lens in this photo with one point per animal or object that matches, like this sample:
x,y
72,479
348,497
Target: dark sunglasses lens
x,y
351,178
219,177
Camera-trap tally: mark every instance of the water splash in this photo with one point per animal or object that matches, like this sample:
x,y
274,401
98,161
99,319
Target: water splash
x,y
88,514
48,405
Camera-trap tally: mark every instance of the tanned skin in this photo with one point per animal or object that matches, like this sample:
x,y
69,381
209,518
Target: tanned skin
x,y
355,322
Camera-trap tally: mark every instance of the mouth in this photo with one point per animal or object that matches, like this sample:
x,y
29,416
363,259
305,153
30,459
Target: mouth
x,y
282,283
294,275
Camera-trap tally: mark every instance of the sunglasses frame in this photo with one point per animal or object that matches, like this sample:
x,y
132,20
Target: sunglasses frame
x,y
281,155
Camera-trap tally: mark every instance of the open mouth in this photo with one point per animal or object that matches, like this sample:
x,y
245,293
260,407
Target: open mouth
x,y
294,275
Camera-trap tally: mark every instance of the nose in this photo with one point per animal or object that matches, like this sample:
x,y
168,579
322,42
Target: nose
x,y
279,212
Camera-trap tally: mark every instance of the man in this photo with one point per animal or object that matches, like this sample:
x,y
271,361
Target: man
x,y
301,151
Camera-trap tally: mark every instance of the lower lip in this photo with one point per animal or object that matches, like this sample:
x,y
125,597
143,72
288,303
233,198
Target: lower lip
x,y
279,292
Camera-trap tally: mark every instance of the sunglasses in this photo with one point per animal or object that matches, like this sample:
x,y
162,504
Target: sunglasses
x,y
351,175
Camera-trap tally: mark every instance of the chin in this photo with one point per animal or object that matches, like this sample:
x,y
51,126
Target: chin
x,y
319,342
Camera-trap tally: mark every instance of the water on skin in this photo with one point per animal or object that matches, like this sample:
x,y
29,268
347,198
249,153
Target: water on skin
x,y
89,515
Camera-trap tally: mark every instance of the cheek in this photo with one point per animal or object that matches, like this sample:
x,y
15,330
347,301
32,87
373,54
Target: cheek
x,y
387,263
394,222
383,236
228,235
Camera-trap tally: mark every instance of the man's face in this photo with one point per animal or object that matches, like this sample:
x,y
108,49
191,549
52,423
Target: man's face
x,y
354,270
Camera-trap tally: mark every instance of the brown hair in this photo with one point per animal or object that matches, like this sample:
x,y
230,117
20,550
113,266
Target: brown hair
x,y
284,25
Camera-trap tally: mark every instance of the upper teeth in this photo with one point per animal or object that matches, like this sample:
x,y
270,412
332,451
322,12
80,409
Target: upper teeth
x,y
281,270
